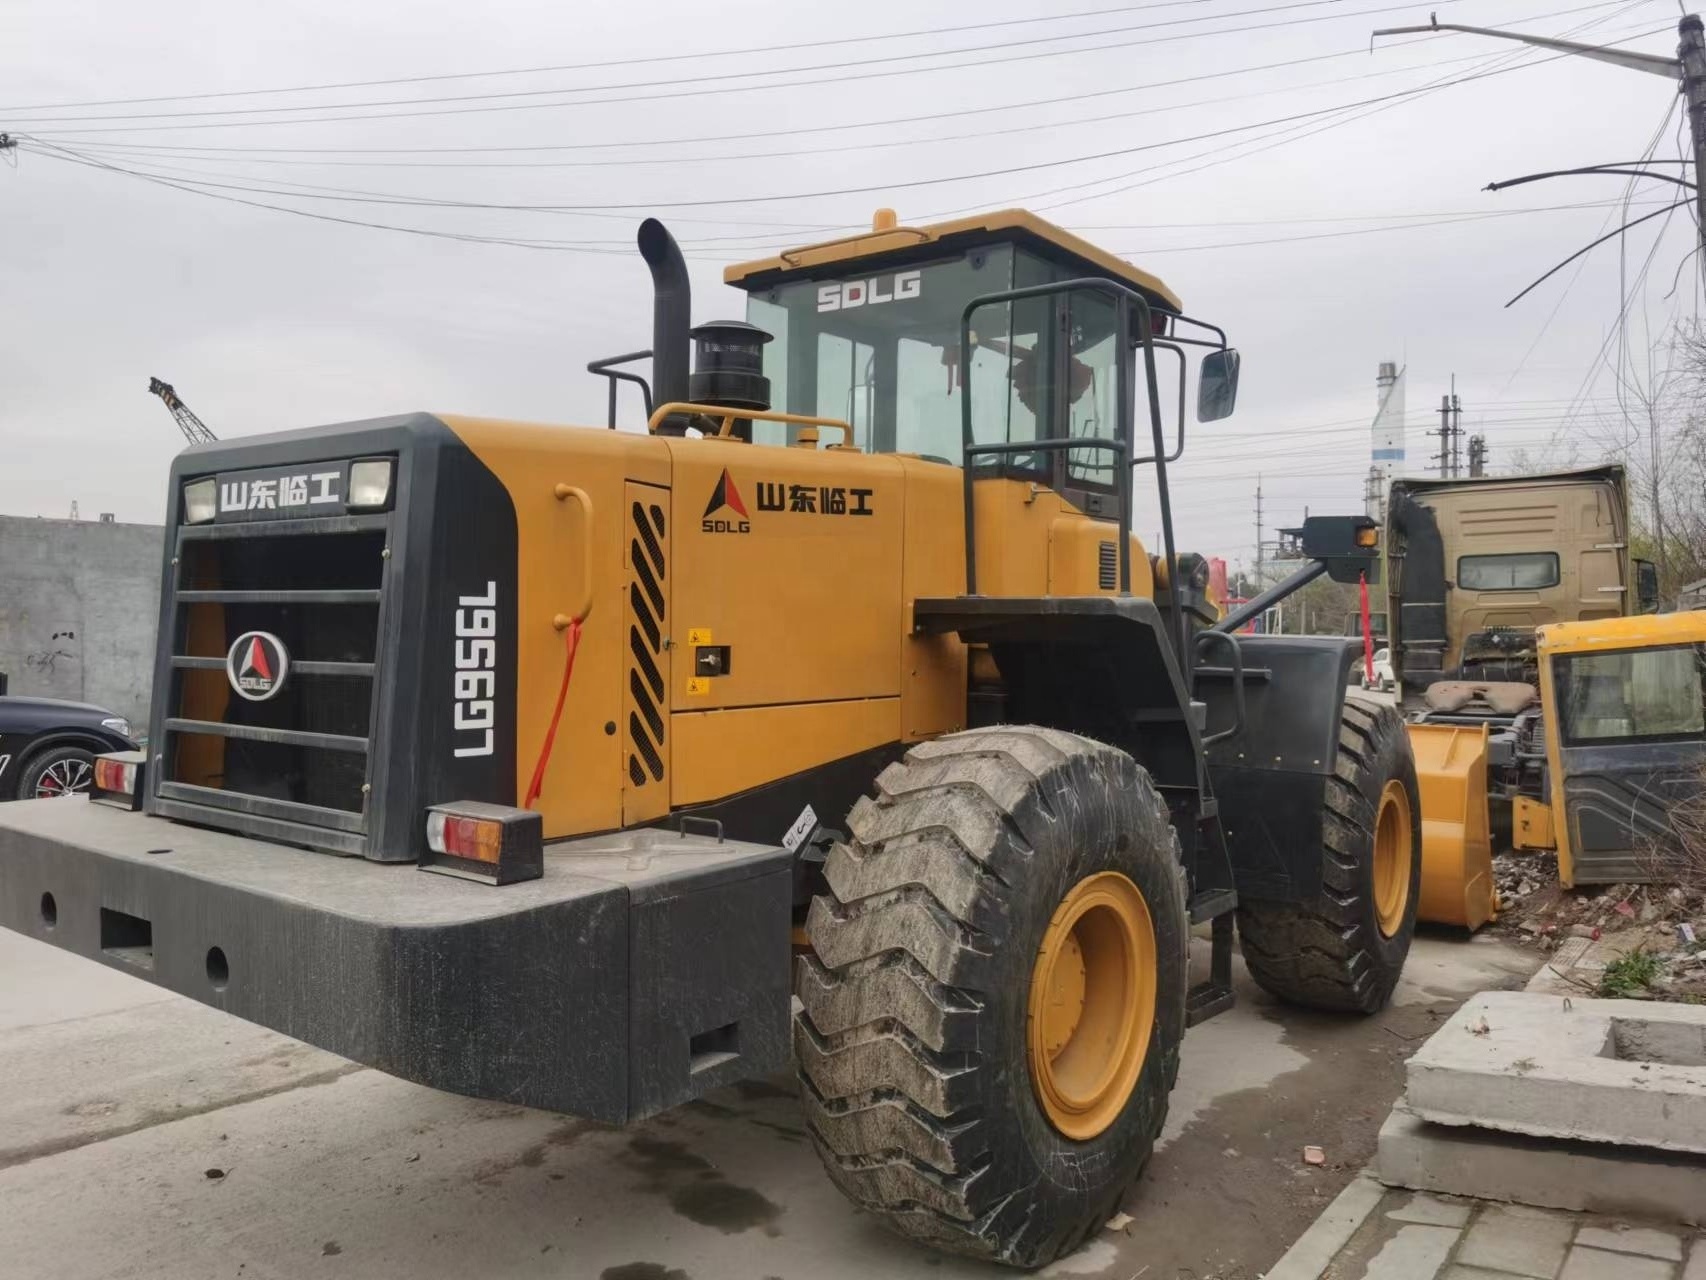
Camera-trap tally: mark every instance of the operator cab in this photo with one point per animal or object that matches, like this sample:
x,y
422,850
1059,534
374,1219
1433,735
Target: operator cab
x,y
868,329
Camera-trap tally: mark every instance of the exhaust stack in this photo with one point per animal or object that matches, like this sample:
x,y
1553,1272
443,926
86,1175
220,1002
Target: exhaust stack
x,y
672,307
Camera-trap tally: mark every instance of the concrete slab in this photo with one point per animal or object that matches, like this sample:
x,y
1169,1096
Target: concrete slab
x,y
1520,1244
1453,1160
43,985
1625,1072
1432,1211
1596,1264
1415,1253
1647,1241
1696,1268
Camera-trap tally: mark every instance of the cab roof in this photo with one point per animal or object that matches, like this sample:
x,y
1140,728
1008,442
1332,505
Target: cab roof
x,y
1639,631
1610,472
887,238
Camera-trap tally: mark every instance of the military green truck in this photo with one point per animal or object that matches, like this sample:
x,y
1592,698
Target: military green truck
x,y
1475,565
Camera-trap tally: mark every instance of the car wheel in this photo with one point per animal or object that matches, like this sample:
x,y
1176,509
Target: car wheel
x,y
61,771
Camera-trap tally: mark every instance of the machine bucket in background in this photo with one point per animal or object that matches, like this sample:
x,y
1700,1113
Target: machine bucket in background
x,y
1457,852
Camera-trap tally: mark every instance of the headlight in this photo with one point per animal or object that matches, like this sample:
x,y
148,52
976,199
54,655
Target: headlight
x,y
369,482
118,725
201,500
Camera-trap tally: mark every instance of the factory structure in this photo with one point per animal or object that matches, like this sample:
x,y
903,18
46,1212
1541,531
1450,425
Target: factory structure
x,y
1386,439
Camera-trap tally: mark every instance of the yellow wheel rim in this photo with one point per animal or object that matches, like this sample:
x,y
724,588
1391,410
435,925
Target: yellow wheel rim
x,y
1092,1004
1392,857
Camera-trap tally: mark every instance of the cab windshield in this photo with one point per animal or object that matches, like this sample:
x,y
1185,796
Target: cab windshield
x,y
1625,694
882,352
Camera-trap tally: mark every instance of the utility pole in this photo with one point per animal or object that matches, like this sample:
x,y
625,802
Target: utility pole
x,y
1688,69
1450,433
1261,582
1443,457
1456,431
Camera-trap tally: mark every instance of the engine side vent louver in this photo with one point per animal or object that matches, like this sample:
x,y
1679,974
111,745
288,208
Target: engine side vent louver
x,y
1107,566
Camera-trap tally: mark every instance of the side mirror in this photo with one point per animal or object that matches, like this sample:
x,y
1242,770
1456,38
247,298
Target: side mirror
x,y
1217,385
1646,586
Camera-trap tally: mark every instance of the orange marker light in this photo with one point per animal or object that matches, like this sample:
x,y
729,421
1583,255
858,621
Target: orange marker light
x,y
475,838
115,775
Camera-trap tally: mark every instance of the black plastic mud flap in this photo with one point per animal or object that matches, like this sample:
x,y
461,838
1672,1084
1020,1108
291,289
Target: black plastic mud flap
x,y
643,969
1271,779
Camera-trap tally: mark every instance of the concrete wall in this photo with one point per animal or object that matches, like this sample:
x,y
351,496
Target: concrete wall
x,y
78,604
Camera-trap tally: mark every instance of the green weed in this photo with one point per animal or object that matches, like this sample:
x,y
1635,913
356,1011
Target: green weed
x,y
1630,975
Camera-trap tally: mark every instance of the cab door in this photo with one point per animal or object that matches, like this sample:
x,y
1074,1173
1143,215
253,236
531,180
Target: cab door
x,y
1627,743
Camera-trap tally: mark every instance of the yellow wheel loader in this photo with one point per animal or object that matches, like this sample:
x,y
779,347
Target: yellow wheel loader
x,y
1612,738
844,681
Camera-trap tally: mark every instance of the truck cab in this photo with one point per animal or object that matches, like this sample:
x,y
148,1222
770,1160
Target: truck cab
x,y
1476,565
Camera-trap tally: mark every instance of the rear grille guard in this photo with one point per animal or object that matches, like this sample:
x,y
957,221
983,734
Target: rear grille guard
x,y
320,765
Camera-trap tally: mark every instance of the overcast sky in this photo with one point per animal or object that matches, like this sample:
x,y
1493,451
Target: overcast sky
x,y
1323,245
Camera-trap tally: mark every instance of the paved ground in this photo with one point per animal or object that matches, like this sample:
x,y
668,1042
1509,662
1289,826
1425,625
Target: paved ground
x,y
142,1135
1415,1236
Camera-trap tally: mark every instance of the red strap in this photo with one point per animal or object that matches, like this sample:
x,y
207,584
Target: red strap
x,y
571,640
1367,633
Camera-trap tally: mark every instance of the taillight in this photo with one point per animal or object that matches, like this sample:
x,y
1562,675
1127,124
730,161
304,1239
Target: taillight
x,y
118,779
493,843
476,838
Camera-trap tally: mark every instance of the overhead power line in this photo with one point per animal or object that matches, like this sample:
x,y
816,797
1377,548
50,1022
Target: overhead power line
x,y
698,140
1497,65
1080,192
701,157
908,184
700,55
814,83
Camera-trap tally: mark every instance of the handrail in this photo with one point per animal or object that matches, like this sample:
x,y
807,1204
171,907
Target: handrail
x,y
563,621
604,368
1184,368
1231,642
732,416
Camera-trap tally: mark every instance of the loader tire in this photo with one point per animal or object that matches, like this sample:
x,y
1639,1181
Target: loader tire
x,y
965,1105
1343,951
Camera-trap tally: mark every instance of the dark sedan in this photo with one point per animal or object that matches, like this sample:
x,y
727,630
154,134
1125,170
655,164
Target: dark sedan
x,y
48,747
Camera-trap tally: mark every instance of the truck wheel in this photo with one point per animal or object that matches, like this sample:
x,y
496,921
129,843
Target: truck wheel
x,y
992,1008
1345,950
60,771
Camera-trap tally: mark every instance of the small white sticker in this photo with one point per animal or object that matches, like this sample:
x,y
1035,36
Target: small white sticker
x,y
803,826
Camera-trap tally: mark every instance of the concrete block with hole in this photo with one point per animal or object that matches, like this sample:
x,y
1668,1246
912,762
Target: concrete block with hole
x,y
1628,1072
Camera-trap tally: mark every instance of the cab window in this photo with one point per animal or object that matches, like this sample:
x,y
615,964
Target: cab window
x,y
1514,571
881,352
1622,695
